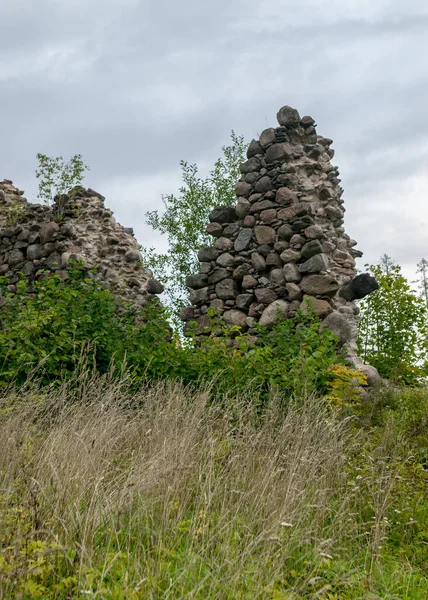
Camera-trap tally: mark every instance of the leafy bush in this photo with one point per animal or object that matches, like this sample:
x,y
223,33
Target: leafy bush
x,y
294,357
52,324
57,177
49,327
393,327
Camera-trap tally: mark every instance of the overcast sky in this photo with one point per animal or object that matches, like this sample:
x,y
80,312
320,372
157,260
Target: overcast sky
x,y
136,85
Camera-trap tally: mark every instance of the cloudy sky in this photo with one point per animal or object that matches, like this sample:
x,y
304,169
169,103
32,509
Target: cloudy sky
x,y
136,85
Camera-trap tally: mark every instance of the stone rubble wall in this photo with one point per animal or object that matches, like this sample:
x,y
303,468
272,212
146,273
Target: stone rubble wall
x,y
284,241
37,238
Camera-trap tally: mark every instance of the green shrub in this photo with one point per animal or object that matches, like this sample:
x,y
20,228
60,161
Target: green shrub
x,y
49,328
393,327
51,325
294,357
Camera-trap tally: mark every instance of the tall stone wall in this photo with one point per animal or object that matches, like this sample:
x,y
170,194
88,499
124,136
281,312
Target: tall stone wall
x,y
284,242
36,238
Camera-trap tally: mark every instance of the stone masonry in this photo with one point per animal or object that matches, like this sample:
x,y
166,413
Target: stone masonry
x,y
283,243
37,238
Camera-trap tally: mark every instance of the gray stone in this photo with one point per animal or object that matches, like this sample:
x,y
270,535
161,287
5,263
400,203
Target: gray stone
x,y
268,216
258,261
252,164
285,232
290,255
359,287
241,270
224,244
273,260
291,273
48,232
132,256
69,230
264,250
281,246
265,295
236,317
294,292
207,254
277,277
242,189
154,287
289,213
218,304
311,248
297,241
319,285
249,282
320,307
302,224
373,377
263,185
223,214
227,289
314,232
204,267
21,245
264,234
244,300
199,296
315,264
218,275
231,229
48,248
243,207
54,261
278,152
34,252
288,116
214,229
262,205
252,177
339,325
197,281
307,121
254,148
285,196
187,313
225,260
267,137
274,313
243,241
15,257
249,221
28,268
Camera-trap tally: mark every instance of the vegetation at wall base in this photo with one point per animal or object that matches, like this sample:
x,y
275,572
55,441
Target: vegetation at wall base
x,y
48,326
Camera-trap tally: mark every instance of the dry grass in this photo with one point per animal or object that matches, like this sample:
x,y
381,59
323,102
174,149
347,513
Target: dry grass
x,y
161,495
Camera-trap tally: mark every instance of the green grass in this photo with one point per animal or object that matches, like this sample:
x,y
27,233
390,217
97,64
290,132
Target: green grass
x,y
159,494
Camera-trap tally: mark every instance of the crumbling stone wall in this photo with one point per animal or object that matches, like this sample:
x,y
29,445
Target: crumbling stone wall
x,y
284,241
36,238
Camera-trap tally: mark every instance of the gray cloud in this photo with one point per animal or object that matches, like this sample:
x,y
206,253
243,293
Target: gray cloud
x,y
135,86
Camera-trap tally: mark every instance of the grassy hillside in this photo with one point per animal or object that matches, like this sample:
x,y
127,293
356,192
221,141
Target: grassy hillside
x,y
162,493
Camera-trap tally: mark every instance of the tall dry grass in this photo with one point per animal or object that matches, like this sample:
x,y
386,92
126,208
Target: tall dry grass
x,y
164,495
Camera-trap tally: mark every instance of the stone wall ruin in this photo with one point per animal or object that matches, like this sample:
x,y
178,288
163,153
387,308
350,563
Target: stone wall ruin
x,y
37,238
284,242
